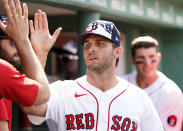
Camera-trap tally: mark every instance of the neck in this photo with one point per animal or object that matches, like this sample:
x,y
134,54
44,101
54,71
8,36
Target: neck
x,y
103,81
144,82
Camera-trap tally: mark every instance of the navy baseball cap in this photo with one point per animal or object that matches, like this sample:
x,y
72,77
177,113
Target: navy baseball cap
x,y
103,28
3,19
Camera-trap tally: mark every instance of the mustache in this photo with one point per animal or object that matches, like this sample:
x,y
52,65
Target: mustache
x,y
16,54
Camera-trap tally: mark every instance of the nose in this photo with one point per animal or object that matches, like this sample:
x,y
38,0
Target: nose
x,y
92,48
147,62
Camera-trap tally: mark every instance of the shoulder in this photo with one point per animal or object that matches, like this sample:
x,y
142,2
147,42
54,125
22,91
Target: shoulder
x,y
65,85
59,84
169,90
138,98
169,86
134,90
5,66
130,76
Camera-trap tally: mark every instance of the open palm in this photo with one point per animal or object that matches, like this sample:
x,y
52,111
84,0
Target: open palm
x,y
41,39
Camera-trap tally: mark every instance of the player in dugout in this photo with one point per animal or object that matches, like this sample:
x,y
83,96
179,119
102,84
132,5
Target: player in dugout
x,y
31,88
165,94
98,100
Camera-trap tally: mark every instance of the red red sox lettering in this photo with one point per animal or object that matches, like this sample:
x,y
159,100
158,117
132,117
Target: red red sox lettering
x,y
87,121
74,122
126,124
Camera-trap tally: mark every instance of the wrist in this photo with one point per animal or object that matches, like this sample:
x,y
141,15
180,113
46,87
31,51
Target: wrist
x,y
22,41
42,56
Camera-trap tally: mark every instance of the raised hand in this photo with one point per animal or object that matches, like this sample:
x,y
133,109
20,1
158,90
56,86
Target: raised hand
x,y
17,27
41,39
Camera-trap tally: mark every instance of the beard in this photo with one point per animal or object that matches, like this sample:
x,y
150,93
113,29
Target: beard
x,y
105,63
5,56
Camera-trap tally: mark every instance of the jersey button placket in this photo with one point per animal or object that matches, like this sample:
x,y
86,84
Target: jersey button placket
x,y
103,113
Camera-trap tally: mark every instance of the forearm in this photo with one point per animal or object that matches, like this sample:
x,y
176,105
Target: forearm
x,y
4,125
37,110
42,56
33,69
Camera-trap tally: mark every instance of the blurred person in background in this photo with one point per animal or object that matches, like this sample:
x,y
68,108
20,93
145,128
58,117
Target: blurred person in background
x,y
165,94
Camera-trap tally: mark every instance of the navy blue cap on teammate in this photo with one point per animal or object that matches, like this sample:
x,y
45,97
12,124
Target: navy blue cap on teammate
x,y
3,18
103,28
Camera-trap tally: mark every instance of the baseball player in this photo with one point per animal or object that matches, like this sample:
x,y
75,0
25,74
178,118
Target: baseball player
x,y
7,52
165,94
14,85
99,100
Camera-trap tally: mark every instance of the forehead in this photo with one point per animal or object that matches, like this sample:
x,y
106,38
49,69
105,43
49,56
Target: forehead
x,y
145,51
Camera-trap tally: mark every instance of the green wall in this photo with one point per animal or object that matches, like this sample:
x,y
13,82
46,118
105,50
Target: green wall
x,y
172,64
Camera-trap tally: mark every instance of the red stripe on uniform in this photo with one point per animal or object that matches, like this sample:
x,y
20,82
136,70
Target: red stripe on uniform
x,y
95,99
110,106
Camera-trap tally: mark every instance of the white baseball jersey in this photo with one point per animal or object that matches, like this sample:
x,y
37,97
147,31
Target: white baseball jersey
x,y
77,105
167,98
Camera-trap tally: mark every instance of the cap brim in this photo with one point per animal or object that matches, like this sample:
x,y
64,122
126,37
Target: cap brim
x,y
81,38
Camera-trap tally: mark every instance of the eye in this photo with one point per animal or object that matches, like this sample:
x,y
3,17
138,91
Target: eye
x,y
100,44
87,45
153,61
139,62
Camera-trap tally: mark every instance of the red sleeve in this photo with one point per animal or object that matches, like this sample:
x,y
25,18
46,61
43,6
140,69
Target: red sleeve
x,y
16,86
6,111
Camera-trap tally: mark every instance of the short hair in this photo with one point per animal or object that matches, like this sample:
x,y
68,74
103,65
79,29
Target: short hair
x,y
143,42
117,60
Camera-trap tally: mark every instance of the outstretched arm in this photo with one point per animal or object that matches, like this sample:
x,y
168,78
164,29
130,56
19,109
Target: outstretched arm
x,y
41,39
42,42
17,28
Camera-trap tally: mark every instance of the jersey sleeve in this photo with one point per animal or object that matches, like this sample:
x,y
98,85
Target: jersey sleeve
x,y
55,105
171,112
16,86
6,111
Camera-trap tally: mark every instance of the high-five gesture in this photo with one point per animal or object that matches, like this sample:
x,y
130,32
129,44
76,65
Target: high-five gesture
x,y
16,17
17,28
41,39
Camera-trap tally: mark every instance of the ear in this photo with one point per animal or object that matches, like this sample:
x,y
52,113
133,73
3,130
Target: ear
x,y
118,52
132,60
159,57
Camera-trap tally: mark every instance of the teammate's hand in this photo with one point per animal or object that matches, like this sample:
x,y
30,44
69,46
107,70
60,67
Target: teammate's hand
x,y
41,39
17,27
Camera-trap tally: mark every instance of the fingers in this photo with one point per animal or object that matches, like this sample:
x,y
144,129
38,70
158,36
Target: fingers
x,y
25,8
31,26
45,21
12,8
18,8
56,34
40,21
36,21
7,9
